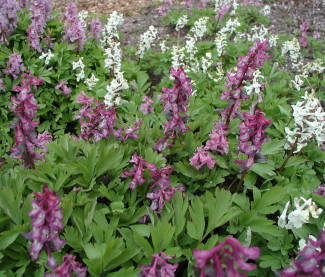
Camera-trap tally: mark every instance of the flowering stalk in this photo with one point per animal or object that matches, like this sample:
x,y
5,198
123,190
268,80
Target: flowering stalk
x,y
46,224
68,266
14,65
26,137
175,101
225,259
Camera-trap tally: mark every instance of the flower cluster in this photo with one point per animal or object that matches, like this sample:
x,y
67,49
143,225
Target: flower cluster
x,y
310,261
26,138
246,67
114,56
201,158
159,266
221,43
181,22
47,56
96,120
110,29
252,136
165,7
8,18
175,101
146,41
161,188
129,133
293,48
300,215
79,64
14,65
74,31
95,28
218,142
118,83
46,224
92,81
225,259
309,118
146,108
64,88
68,266
303,29
199,28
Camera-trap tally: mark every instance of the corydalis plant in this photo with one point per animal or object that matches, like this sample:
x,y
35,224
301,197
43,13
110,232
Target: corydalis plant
x,y
14,65
8,18
26,137
310,261
67,268
175,101
225,259
159,266
46,224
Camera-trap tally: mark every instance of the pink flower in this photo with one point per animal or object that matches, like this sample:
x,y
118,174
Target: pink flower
x,y
46,223
69,265
201,158
64,88
316,34
14,65
226,258
159,267
218,142
146,107
95,28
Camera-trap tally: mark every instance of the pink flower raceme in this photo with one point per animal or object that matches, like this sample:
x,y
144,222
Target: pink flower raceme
x,y
129,133
68,267
2,86
95,28
46,224
218,142
303,29
175,101
64,88
161,188
146,107
26,138
14,65
310,261
96,119
246,67
222,11
74,31
165,7
201,158
225,259
252,136
159,267
8,18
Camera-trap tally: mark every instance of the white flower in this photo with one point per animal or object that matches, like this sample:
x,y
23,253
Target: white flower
x,y
267,10
206,62
79,64
221,43
82,16
273,40
110,29
190,47
146,41
177,57
231,26
114,56
181,22
91,82
300,215
118,83
199,28
255,85
303,244
293,48
163,46
48,56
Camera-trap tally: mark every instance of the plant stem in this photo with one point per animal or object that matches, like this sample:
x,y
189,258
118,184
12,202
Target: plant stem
x,y
289,155
239,185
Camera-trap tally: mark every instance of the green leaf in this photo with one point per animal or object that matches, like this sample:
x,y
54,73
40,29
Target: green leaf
x,y
162,235
10,205
264,170
143,243
294,160
196,226
272,147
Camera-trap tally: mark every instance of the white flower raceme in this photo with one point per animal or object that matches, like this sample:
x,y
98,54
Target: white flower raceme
x,y
114,56
199,28
48,56
231,26
259,33
79,64
273,40
190,47
178,56
300,215
146,41
267,10
221,43
206,62
91,82
118,83
181,22
110,29
309,118
293,47
255,85
163,46
82,16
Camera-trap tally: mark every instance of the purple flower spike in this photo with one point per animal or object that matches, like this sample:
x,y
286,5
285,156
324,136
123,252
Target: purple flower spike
x,y
46,223
252,136
201,158
64,88
146,107
14,65
68,266
8,18
226,258
218,142
159,267
175,101
95,28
